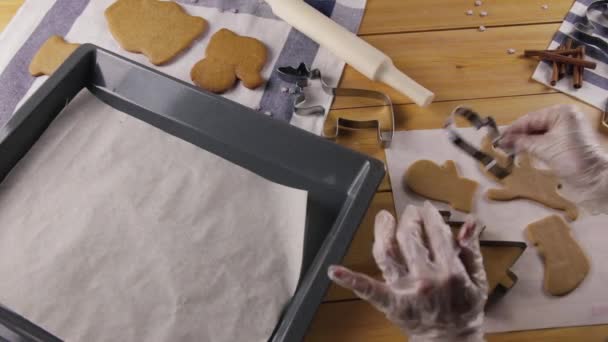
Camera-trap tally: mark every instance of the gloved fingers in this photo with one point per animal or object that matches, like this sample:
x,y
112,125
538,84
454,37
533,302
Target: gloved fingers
x,y
440,239
365,287
470,253
535,123
386,248
534,144
411,242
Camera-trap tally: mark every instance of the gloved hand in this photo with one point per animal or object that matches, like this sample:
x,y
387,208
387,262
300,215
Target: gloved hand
x,y
434,291
562,137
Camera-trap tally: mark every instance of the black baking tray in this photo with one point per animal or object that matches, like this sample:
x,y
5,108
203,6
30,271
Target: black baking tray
x,y
340,182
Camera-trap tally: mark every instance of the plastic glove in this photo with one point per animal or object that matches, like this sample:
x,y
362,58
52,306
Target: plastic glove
x,y
435,291
562,137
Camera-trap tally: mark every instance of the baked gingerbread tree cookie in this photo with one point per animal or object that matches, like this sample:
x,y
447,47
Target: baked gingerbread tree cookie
x,y
441,183
158,29
230,57
526,181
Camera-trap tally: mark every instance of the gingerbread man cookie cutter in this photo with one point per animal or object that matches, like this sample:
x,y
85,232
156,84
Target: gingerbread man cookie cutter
x,y
302,77
489,162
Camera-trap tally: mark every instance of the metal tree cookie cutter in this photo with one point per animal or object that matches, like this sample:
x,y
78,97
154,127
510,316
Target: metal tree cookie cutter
x,y
478,122
302,77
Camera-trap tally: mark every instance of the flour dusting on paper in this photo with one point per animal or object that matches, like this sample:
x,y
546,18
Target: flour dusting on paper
x,y
112,230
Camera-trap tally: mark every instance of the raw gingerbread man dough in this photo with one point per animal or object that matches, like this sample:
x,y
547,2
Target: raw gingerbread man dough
x,y
441,183
525,181
566,265
51,55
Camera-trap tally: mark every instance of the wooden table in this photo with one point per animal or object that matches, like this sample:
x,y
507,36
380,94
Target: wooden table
x,y
434,42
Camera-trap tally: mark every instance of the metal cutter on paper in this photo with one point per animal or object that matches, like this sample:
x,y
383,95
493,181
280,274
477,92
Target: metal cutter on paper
x,y
302,77
478,122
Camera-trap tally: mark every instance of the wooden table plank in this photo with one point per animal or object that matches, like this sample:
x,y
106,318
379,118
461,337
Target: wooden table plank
x,y
357,321
459,64
8,8
390,16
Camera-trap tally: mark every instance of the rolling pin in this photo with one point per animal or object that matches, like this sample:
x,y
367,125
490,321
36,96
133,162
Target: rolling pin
x,y
356,52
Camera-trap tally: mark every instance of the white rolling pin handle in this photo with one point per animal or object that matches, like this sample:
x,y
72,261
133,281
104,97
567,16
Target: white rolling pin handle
x,y
356,52
341,42
389,74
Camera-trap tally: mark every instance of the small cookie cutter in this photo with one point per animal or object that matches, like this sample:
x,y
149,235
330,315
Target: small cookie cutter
x,y
478,122
302,77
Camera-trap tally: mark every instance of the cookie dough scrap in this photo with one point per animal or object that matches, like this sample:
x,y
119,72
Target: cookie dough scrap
x,y
441,183
51,55
566,265
158,29
230,57
525,181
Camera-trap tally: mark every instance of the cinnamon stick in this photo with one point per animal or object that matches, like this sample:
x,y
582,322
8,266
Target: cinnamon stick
x,y
568,46
576,75
536,53
578,82
562,66
555,73
553,57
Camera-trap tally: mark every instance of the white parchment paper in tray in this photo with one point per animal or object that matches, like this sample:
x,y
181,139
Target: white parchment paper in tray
x,y
525,306
112,230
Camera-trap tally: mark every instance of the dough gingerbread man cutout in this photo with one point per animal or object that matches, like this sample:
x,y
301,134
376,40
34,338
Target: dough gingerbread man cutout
x,y
528,182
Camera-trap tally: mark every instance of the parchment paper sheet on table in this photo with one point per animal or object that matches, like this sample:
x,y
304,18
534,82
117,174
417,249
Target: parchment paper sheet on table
x,y
112,230
525,306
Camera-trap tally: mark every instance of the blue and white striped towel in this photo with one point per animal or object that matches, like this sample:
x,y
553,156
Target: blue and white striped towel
x,y
595,82
82,21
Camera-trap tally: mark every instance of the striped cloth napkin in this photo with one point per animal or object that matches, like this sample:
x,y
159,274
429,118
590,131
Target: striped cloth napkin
x,y
595,82
82,21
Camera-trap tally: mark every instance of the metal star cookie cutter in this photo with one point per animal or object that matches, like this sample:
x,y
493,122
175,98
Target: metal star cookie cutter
x,y
302,77
478,122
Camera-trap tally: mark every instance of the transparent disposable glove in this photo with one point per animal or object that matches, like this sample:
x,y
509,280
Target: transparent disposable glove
x,y
562,137
435,286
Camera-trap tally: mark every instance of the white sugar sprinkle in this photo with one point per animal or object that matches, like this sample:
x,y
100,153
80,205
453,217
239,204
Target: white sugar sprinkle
x,y
482,28
284,89
511,51
545,6
469,12
478,3
483,13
